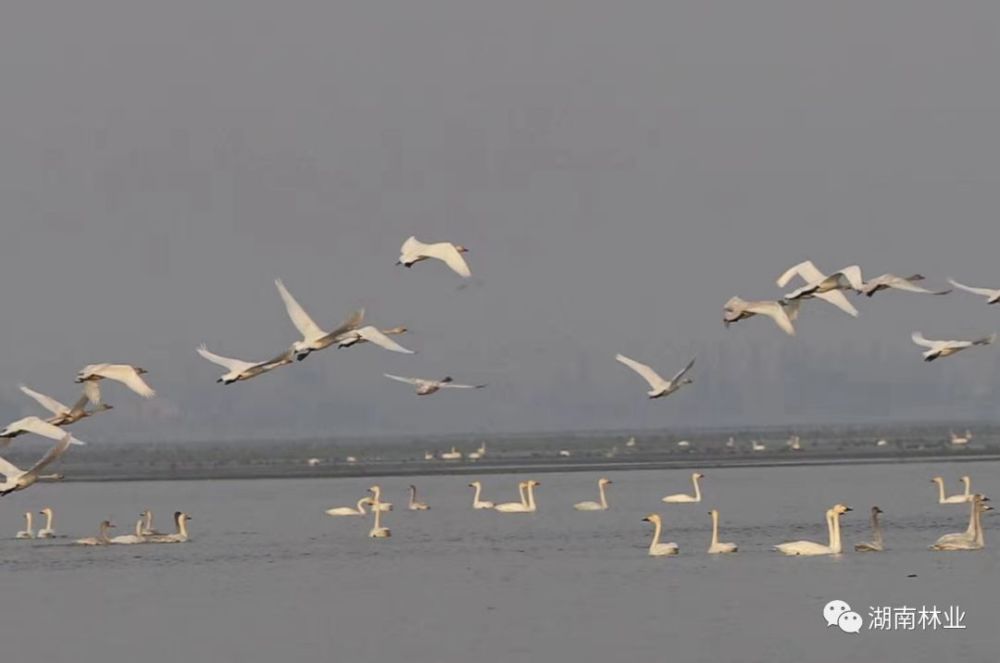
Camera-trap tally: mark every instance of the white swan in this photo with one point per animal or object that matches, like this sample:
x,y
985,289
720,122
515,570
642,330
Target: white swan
x,y
180,536
17,479
810,548
425,387
947,348
958,498
130,376
875,545
359,510
454,454
887,281
783,313
992,296
374,335
147,528
99,540
313,338
758,446
238,370
48,531
414,504
376,502
377,531
27,532
414,251
527,503
38,427
821,286
63,415
959,440
682,498
962,540
657,549
715,547
658,386
478,503
478,453
596,506
131,539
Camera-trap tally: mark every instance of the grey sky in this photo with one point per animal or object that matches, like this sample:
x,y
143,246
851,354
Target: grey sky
x,y
618,172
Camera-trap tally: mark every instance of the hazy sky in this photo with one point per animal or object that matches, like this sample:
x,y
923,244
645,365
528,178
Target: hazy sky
x,y
618,171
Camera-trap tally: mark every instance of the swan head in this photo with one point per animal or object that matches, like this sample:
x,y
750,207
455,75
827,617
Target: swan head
x,y
605,482
697,475
461,249
876,510
937,480
140,370
652,518
104,407
532,483
46,511
474,484
840,509
395,330
446,379
687,381
714,513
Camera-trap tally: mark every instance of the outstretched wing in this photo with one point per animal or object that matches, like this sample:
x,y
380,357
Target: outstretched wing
x,y
50,404
647,373
853,277
226,362
397,378
374,335
919,339
309,329
45,429
682,372
778,312
452,385
446,252
128,376
52,455
837,298
985,292
8,469
92,390
806,269
353,321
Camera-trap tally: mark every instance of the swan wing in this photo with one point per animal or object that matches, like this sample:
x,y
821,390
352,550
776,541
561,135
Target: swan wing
x,y
777,312
398,378
52,455
50,404
452,385
8,469
92,390
853,277
682,372
647,373
447,253
985,292
908,284
838,299
45,429
411,246
234,365
306,326
375,335
352,322
919,339
128,376
805,269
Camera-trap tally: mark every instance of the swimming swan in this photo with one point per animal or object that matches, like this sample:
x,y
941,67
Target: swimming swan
x,y
807,548
992,296
821,286
527,503
715,547
681,498
479,503
657,549
426,387
783,313
359,510
947,348
958,498
376,502
180,536
374,335
887,281
875,545
238,370
147,528
962,541
131,539
313,338
99,540
970,531
48,531
658,386
27,532
130,376
596,506
17,479
414,251
377,531
414,504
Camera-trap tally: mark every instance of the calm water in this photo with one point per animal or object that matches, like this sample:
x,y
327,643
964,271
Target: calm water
x,y
270,578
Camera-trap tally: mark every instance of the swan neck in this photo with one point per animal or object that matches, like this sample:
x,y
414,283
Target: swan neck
x,y
604,499
877,529
980,539
940,484
149,520
413,495
715,529
361,505
531,497
138,528
697,488
378,518
48,520
835,533
28,520
657,529
479,490
971,529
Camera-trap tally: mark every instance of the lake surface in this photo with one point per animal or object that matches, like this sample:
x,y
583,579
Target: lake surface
x,y
268,577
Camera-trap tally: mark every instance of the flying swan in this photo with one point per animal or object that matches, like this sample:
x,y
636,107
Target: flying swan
x,y
16,479
658,386
414,251
313,338
992,296
38,427
130,376
426,387
821,286
783,313
63,415
947,348
887,281
238,370
374,335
